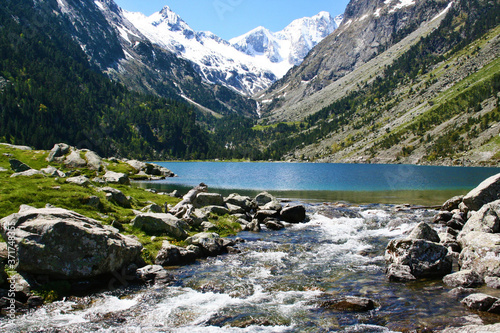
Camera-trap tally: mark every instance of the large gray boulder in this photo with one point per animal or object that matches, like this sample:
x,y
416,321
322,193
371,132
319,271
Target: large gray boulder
x,y
172,255
137,165
293,214
204,199
59,150
116,178
486,219
464,278
74,160
480,253
422,258
216,210
453,203
486,192
64,244
94,161
425,232
263,198
160,223
244,202
211,244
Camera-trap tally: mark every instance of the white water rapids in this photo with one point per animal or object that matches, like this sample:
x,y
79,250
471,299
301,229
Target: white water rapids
x,y
276,284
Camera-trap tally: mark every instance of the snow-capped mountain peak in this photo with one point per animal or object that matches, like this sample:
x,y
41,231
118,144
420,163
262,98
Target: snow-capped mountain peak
x,y
248,63
289,45
170,20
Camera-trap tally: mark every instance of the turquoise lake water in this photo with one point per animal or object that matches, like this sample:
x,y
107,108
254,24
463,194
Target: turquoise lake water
x,y
374,183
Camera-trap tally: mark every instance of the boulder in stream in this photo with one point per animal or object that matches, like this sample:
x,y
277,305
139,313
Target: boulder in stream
x,y
422,259
293,214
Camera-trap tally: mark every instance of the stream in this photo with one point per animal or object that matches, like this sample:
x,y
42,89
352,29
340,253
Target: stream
x,y
276,284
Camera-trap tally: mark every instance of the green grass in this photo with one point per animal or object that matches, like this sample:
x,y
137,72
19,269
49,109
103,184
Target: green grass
x,y
38,191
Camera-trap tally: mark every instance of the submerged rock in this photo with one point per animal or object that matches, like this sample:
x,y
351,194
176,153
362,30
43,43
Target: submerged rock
x,y
463,278
350,303
64,244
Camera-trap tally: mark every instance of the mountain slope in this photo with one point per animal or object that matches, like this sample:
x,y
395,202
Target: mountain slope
x,y
121,51
431,98
369,27
50,93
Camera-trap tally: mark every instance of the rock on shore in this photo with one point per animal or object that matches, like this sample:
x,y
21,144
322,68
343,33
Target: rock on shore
x,y
63,244
471,238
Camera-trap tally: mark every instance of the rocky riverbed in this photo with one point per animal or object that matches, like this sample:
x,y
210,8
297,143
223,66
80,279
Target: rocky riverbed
x,y
178,265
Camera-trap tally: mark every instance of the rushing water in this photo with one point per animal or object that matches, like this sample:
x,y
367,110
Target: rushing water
x,y
280,279
276,284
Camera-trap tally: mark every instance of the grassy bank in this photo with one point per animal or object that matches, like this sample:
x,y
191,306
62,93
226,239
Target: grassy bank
x,y
39,191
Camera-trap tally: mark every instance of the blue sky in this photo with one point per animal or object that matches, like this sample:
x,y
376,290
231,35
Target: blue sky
x,y
232,18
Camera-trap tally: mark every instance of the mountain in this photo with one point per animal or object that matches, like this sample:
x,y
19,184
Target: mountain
x,y
52,91
287,48
399,82
249,63
114,45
